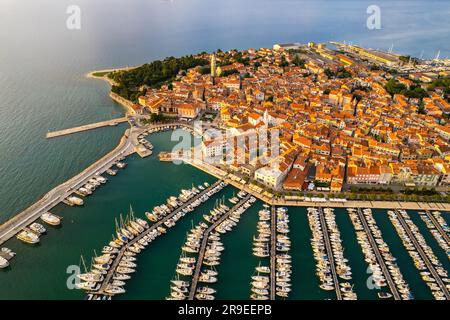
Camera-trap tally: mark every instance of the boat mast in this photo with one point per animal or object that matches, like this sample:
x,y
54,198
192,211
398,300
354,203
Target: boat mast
x,y
83,262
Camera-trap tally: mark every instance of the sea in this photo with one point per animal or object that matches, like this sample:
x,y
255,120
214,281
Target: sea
x,y
44,57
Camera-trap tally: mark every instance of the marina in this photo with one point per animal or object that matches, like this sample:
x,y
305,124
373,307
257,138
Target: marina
x,y
438,227
132,246
372,243
424,259
259,265
273,243
202,250
261,249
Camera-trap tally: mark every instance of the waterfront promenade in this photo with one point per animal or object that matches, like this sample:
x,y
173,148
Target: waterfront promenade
x,y
128,145
220,174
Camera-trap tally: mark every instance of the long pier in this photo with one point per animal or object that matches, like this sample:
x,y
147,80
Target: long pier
x,y
86,127
198,266
438,227
157,224
273,251
326,237
64,190
380,258
423,255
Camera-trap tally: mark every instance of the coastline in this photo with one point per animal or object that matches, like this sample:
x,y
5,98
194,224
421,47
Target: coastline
x,y
387,205
126,104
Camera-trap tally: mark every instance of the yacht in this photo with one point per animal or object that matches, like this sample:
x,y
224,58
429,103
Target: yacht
x,y
142,222
121,276
26,235
51,219
203,296
111,172
151,216
114,290
101,179
121,165
88,286
37,228
91,277
75,200
3,263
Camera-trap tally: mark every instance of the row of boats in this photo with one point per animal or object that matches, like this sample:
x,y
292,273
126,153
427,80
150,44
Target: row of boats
x,y
260,283
147,144
283,266
331,267
34,231
185,195
132,236
120,164
378,253
209,259
91,185
443,242
409,241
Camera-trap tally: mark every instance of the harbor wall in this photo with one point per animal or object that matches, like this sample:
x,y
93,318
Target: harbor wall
x,y
15,224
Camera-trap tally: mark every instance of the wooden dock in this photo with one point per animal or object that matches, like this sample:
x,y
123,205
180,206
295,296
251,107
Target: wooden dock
x,y
157,224
86,127
198,266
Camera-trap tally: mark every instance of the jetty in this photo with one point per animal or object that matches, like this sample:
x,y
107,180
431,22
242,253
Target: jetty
x,y
423,255
153,227
330,255
273,252
380,258
438,227
202,250
86,127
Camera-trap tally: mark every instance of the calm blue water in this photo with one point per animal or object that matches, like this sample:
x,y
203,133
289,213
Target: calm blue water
x,y
42,87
